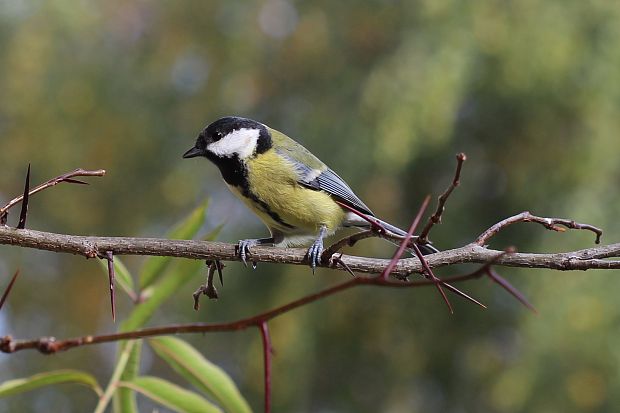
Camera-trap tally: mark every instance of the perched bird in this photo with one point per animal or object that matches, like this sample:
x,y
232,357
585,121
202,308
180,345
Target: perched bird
x,y
289,188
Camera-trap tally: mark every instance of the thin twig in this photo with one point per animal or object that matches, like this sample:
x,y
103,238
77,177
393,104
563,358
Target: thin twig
x,y
267,350
52,182
209,289
348,241
441,202
549,223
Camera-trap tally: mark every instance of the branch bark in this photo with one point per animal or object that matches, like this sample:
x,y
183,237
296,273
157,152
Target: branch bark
x,y
91,247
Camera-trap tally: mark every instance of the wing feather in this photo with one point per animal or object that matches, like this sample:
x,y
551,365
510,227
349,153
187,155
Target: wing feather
x,y
314,174
331,183
328,181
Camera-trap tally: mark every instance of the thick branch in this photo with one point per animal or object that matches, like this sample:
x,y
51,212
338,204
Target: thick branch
x,y
91,247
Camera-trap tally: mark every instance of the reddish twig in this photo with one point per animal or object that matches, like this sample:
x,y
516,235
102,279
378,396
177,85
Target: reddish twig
x,y
8,289
374,224
549,223
441,202
403,245
67,177
49,345
501,281
23,214
267,350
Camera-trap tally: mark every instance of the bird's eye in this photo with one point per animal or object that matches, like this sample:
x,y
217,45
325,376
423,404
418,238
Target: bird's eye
x,y
217,136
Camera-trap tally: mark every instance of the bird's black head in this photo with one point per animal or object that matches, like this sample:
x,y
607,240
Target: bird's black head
x,y
230,137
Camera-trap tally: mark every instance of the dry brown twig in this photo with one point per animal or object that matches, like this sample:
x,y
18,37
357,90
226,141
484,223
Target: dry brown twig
x,y
67,177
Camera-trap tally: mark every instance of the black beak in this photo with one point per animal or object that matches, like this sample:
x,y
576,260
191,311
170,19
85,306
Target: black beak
x,y
192,153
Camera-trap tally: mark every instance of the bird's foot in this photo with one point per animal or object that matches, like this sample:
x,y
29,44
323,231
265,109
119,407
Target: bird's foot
x,y
244,249
314,253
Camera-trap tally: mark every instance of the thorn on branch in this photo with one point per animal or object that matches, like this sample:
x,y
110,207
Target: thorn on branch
x,y
109,255
8,289
443,198
338,260
487,269
23,214
431,276
498,279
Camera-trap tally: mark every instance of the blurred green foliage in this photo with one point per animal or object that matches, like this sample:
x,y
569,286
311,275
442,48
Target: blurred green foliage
x,y
386,92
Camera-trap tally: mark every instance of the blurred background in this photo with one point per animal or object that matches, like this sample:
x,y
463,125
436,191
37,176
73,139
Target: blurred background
x,y
385,92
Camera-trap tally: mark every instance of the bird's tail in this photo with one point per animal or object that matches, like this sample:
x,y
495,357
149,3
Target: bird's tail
x,y
426,248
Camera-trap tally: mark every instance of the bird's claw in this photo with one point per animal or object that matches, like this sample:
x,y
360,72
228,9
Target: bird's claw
x,y
314,254
244,249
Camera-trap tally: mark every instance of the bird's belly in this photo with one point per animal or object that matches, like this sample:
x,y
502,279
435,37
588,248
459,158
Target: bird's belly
x,y
291,208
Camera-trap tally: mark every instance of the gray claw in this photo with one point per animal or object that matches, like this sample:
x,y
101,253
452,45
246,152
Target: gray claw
x,y
244,249
314,254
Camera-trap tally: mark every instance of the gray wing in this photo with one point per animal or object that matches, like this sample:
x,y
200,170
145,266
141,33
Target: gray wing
x,y
328,181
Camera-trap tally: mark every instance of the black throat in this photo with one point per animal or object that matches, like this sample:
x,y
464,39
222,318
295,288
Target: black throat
x,y
233,170
235,173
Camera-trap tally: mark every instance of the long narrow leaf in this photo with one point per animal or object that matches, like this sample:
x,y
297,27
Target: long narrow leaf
x,y
204,375
125,398
170,395
154,266
112,386
16,386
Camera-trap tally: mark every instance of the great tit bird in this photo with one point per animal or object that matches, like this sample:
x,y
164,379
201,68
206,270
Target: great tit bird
x,y
289,188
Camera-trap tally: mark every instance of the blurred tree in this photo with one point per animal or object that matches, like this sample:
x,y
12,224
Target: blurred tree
x,y
383,91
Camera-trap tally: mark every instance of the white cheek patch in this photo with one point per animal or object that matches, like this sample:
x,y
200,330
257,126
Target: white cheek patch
x,y
240,142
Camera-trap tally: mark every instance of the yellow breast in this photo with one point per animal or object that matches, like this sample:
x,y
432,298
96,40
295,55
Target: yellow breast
x,y
304,209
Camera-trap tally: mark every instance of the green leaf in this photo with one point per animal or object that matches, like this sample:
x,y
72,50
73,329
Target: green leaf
x,y
170,395
204,375
123,276
121,364
124,398
179,273
16,386
154,266
212,235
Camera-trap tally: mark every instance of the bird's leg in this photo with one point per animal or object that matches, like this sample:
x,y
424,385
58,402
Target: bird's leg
x,y
245,245
314,252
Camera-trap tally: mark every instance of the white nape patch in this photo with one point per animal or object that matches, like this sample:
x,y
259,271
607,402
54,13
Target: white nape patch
x,y
240,142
